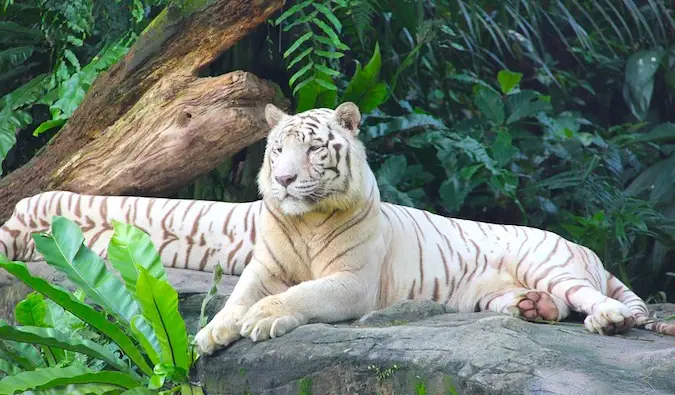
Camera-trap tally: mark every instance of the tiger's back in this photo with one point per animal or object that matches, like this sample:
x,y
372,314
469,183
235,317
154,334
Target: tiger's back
x,y
188,234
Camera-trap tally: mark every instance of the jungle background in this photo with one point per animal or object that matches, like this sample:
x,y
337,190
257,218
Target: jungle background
x,y
553,114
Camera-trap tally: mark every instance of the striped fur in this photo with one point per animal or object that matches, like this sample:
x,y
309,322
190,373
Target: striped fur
x,y
326,248
329,250
188,234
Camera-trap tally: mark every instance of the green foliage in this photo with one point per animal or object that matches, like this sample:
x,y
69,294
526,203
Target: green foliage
x,y
311,53
65,344
548,114
51,52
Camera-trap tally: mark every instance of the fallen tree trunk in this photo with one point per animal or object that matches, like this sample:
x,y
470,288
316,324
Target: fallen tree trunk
x,y
150,124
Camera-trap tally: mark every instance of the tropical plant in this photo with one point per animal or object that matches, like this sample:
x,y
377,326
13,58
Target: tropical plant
x,y
112,336
50,54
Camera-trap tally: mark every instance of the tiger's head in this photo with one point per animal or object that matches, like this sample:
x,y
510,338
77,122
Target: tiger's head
x,y
313,160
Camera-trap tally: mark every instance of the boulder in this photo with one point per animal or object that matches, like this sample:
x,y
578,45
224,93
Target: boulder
x,y
421,347
415,347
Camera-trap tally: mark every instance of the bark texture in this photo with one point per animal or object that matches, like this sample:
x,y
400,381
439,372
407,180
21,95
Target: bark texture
x,y
150,124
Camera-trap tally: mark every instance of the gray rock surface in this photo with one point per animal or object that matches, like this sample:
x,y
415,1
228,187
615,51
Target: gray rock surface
x,y
418,347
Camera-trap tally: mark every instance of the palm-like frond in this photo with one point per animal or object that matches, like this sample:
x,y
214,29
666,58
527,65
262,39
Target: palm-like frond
x,y
600,29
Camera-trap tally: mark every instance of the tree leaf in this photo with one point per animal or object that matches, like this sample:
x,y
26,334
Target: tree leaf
x,y
363,89
32,310
525,104
64,250
53,338
401,124
147,338
508,80
130,246
80,389
56,376
9,368
639,81
490,104
24,355
159,302
79,309
15,56
139,391
48,125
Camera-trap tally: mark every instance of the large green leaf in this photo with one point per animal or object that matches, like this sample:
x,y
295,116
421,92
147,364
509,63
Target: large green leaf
x,y
81,389
508,80
21,354
160,307
146,337
401,124
64,250
139,391
128,247
9,368
639,81
54,377
364,89
525,104
81,310
11,118
490,104
32,310
53,338
15,56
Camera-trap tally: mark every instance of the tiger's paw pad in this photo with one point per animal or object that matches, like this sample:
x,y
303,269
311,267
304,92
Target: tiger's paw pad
x,y
537,306
610,319
267,319
216,334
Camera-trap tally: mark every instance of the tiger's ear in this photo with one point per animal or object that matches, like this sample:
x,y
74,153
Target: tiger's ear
x,y
273,114
348,115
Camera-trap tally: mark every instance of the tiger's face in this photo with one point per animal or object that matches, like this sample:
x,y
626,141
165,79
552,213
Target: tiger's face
x,y
312,159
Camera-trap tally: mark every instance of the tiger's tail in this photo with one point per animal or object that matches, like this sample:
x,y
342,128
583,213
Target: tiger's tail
x,y
16,242
619,291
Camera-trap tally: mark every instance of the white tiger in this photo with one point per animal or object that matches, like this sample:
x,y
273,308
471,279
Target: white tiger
x,y
321,247
330,251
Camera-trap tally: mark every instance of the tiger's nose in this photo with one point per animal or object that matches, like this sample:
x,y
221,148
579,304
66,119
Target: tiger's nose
x,y
286,180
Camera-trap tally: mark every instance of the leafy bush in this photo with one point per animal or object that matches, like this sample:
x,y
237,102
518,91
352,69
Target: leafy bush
x,y
51,52
129,339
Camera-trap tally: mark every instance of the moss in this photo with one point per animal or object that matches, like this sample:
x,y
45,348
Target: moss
x,y
421,388
305,386
383,374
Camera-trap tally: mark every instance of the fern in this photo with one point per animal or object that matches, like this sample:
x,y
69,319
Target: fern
x,y
312,54
13,117
358,20
57,30
65,97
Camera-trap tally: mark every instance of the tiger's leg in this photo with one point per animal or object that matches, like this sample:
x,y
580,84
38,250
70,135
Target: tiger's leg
x,y
605,315
526,303
256,282
619,291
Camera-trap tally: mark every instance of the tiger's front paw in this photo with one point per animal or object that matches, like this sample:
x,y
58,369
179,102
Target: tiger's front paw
x,y
609,318
269,318
218,333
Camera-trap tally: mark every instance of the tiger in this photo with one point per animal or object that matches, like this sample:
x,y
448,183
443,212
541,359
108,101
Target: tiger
x,y
320,246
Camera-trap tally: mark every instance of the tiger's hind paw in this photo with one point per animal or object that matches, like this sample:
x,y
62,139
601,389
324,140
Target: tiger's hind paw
x,y
536,306
610,318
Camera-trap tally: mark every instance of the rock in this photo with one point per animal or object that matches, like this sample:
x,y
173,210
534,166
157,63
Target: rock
x,y
415,347
418,347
